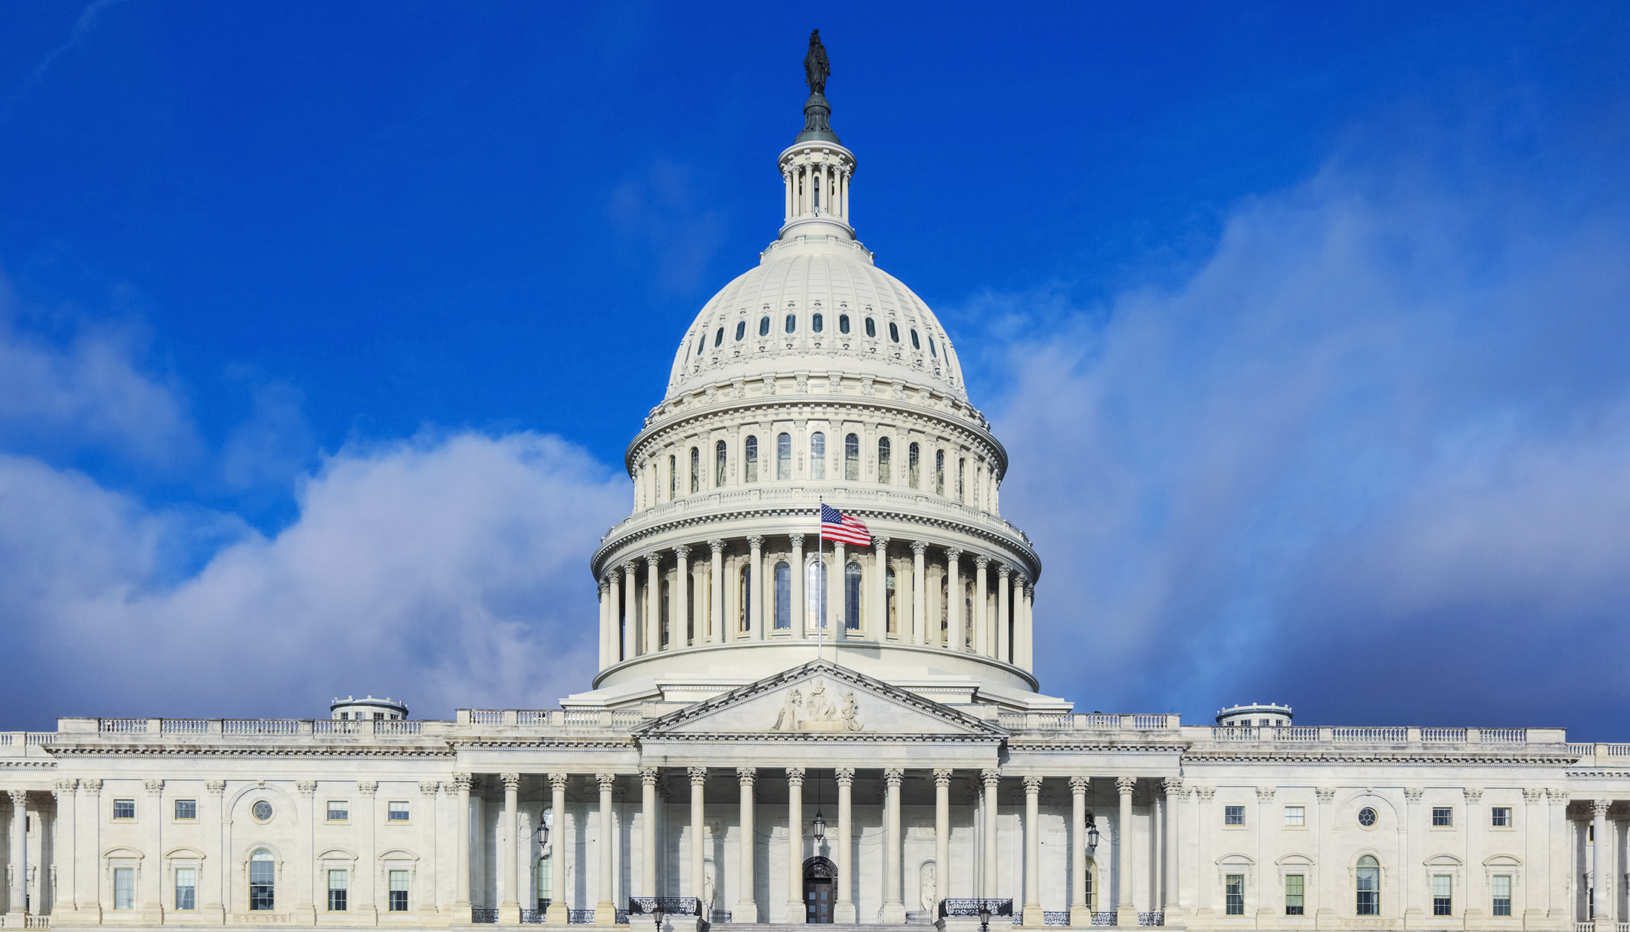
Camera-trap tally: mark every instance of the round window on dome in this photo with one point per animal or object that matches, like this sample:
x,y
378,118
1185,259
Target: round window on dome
x,y
764,326
741,330
843,323
871,327
815,323
792,322
719,338
894,332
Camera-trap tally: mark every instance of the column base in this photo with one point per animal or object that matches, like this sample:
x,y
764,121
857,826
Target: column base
x,y
605,914
556,914
509,914
745,911
461,915
1326,919
843,911
1126,917
1031,917
1175,916
894,914
1080,916
151,914
1205,918
1414,918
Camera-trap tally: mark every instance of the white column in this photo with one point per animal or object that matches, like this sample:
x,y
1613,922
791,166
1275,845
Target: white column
x,y
795,844
991,779
755,605
1414,916
1601,864
1205,879
605,911
983,644
557,851
880,589
746,905
680,614
894,908
942,836
305,911
698,839
1029,628
1557,881
509,905
653,602
1266,841
367,904
843,909
919,586
1080,914
1536,838
800,605
1171,904
834,593
955,636
614,616
1031,913
716,580
846,197
429,820
1474,896
634,644
648,831
66,846
1004,650
1326,899
215,906
152,882
17,860
605,627
1126,911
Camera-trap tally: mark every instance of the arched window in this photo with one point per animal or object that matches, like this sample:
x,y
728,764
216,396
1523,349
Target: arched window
x,y
931,349
894,332
916,344
719,463
843,323
817,455
741,330
851,457
912,468
1368,880
1091,868
764,326
967,615
673,479
961,474
262,880
851,596
815,323
883,460
751,465
718,338
815,585
890,610
695,470
783,456
701,343
871,327
664,597
783,596
792,322
939,472
744,589
945,611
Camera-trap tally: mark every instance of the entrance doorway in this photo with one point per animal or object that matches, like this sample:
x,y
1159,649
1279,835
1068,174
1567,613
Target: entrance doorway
x,y
820,889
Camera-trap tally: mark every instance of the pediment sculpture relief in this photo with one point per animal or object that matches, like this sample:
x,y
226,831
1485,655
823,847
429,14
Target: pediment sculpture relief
x,y
817,712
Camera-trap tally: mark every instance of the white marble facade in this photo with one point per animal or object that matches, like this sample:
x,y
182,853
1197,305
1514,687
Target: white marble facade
x,y
741,693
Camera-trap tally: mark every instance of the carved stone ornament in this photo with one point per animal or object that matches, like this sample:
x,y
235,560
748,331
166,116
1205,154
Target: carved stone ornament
x,y
817,712
215,787
306,787
1414,794
1126,785
1325,794
368,787
1079,785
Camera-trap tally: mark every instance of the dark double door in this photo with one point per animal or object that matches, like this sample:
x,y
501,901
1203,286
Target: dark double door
x,y
820,890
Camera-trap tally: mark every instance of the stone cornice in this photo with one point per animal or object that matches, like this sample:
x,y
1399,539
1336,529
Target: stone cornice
x,y
261,750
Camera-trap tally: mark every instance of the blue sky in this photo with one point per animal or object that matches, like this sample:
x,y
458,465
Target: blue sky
x,y
322,332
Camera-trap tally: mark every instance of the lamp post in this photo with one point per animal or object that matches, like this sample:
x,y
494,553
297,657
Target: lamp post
x,y
1092,833
656,911
984,916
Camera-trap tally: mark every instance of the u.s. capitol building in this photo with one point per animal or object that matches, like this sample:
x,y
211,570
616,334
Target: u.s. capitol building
x,y
786,731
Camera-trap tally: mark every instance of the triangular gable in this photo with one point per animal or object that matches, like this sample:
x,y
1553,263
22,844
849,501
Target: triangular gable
x,y
819,698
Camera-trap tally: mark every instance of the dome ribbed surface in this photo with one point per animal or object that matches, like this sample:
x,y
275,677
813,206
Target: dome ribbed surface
x,y
831,278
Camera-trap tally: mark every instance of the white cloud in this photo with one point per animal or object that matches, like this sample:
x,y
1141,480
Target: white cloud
x,y
446,570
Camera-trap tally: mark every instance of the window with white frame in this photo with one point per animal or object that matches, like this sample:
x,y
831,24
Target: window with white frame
x,y
1234,894
1295,816
339,810
262,880
1500,816
398,811
1294,894
1367,881
186,888
1443,816
1501,886
186,809
1443,886
1233,815
124,888
398,891
124,808
338,889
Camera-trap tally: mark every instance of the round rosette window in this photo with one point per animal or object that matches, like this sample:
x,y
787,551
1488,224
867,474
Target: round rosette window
x,y
1366,817
262,811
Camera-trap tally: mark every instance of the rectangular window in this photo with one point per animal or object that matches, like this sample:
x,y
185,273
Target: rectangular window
x,y
1233,815
1293,894
339,810
1442,816
1236,894
398,811
186,886
337,891
124,808
1500,816
1502,894
399,891
1442,895
186,808
124,888
1295,816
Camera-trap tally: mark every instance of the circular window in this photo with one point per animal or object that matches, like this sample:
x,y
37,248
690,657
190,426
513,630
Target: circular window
x,y
262,811
1366,817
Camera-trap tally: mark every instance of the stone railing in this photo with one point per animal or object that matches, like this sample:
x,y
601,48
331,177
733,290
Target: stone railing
x,y
1601,755
25,743
1086,721
1553,739
248,727
603,719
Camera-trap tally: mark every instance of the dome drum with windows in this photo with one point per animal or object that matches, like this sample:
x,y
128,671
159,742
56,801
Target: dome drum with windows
x,y
815,377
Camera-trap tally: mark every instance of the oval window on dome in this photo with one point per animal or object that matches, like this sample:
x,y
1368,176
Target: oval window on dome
x,y
871,327
815,323
843,323
701,344
764,326
915,343
718,338
931,348
741,329
792,322
894,332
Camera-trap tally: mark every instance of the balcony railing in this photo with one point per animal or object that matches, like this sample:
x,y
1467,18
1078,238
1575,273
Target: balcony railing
x,y
1085,721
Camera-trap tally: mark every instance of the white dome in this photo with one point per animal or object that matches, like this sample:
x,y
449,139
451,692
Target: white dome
x,y
765,322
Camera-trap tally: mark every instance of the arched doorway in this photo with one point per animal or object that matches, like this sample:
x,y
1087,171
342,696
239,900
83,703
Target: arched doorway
x,y
820,889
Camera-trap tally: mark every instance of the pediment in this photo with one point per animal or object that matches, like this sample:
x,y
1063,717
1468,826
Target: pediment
x,y
819,700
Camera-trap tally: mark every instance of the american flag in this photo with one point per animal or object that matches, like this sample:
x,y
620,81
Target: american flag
x,y
835,525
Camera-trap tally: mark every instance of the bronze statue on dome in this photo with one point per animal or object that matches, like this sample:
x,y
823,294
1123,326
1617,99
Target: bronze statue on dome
x,y
816,67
